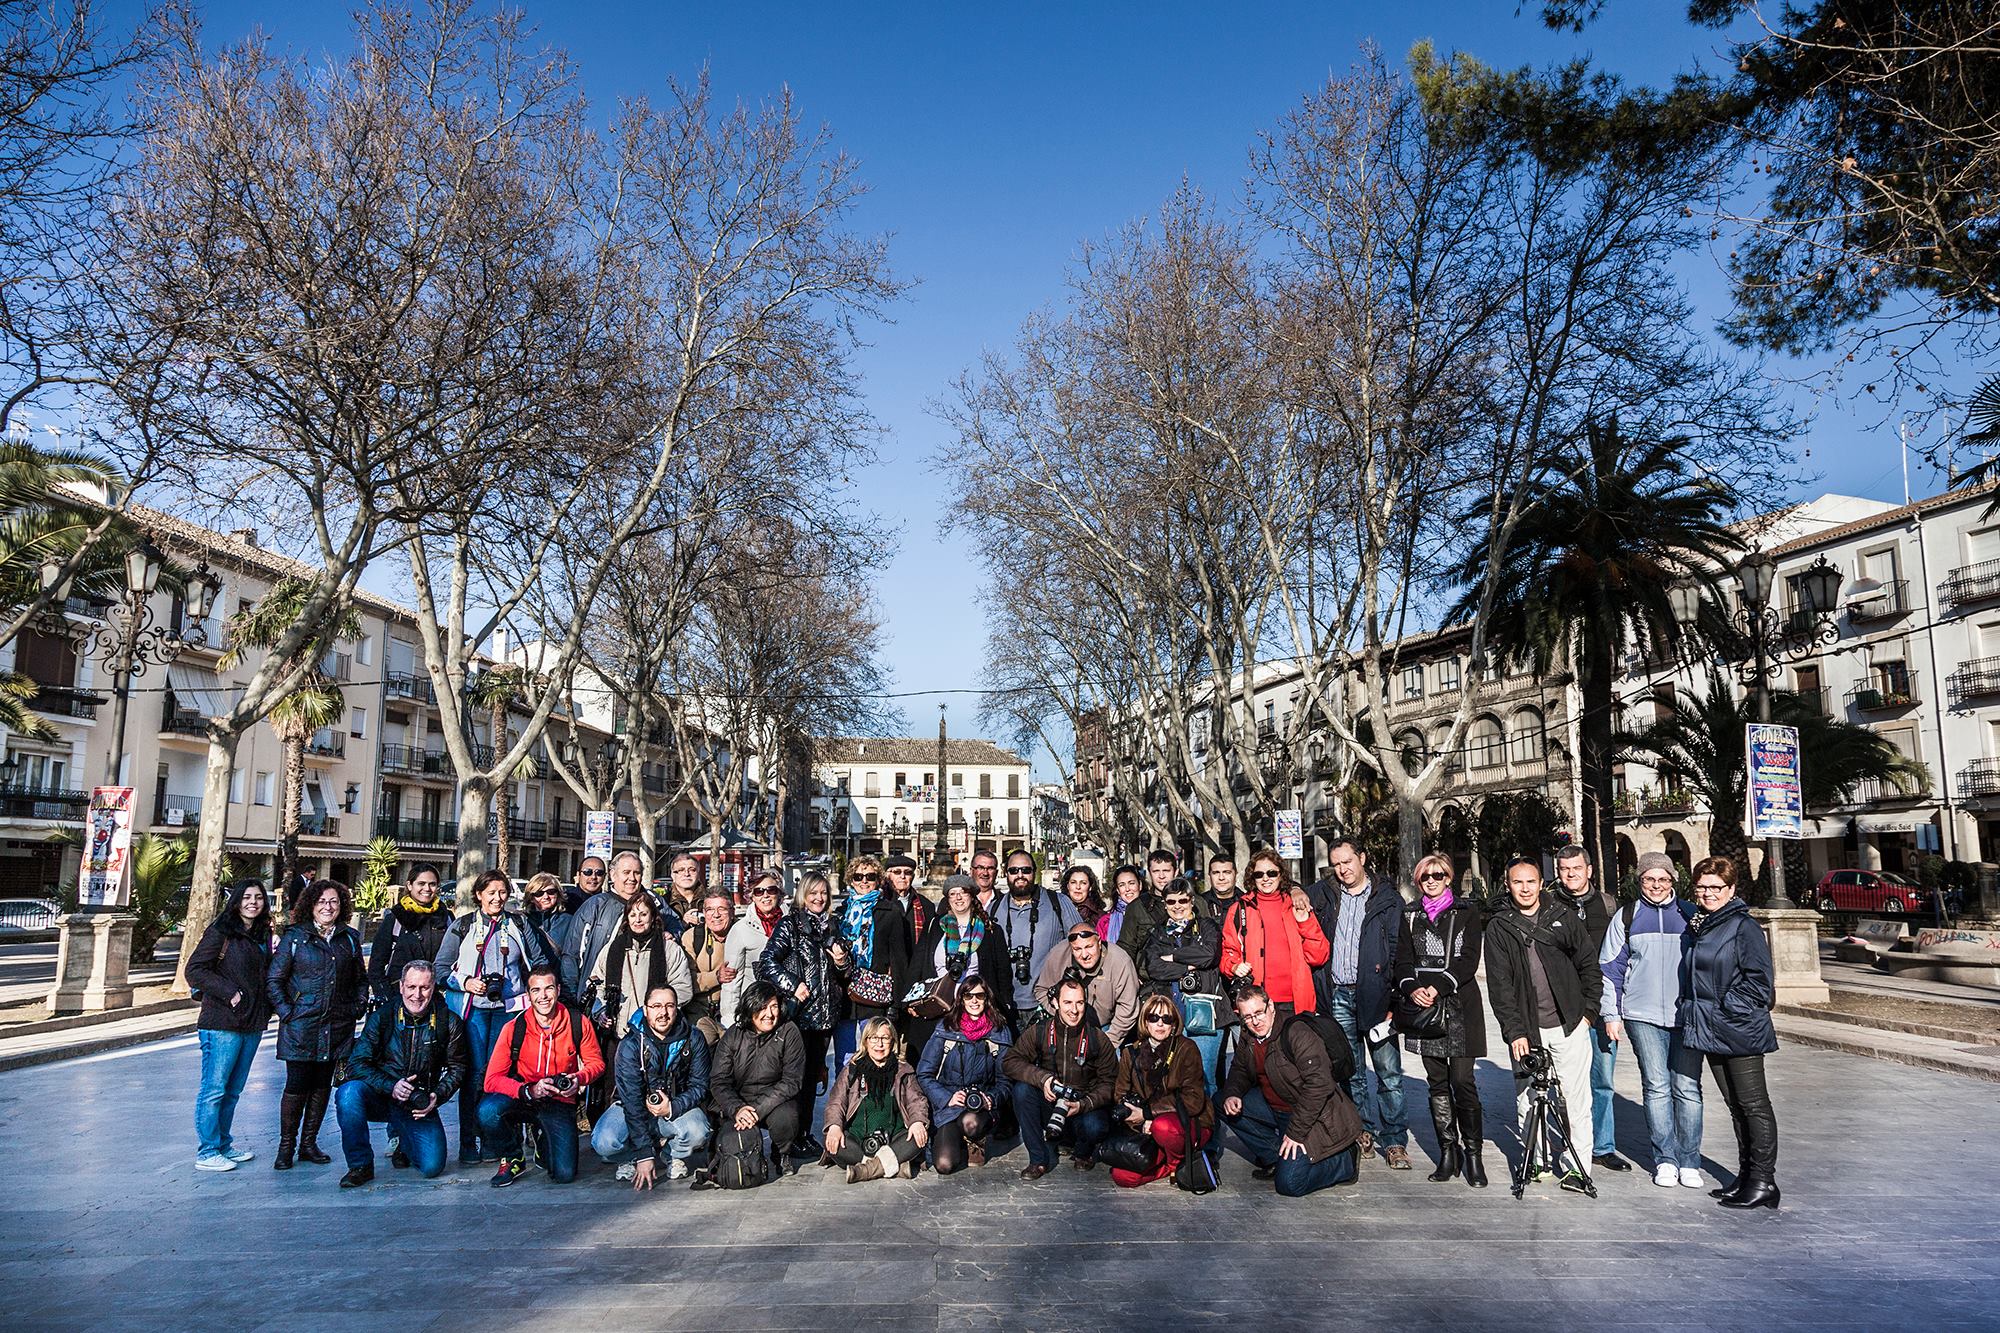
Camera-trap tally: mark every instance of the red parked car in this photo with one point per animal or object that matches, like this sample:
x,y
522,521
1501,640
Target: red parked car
x,y
1874,892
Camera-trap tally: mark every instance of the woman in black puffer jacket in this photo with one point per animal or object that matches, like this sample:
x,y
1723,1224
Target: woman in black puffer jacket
x,y
1725,1012
803,963
754,1077
318,984
228,968
1437,963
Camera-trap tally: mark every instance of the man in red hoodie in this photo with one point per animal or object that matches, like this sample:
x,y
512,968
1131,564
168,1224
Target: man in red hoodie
x,y
544,1059
1271,937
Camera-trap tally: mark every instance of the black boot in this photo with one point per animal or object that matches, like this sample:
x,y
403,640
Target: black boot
x,y
1736,1186
1753,1192
1472,1138
315,1115
291,1106
1475,1170
1441,1121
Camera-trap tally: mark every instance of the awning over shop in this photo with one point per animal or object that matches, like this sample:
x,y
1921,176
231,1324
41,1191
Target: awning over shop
x,y
199,690
1903,821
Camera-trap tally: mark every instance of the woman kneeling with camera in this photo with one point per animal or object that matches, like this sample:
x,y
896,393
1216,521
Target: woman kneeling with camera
x,y
1161,1094
960,1074
877,1121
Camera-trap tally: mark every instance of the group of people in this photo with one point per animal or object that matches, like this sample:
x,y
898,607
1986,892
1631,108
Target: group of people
x,y
692,1041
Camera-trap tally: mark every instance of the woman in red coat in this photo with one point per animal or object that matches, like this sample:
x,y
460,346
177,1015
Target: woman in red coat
x,y
1270,936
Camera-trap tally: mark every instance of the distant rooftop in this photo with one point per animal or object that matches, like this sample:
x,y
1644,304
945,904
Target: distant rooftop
x,y
913,751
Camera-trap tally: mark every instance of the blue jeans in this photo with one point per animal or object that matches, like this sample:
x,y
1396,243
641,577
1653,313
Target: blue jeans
x,y
482,1033
1671,1077
1031,1110
846,1041
357,1104
685,1135
500,1121
1260,1128
1391,1127
1603,1124
226,1058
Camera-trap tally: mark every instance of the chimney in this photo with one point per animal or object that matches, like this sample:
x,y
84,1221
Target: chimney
x,y
248,536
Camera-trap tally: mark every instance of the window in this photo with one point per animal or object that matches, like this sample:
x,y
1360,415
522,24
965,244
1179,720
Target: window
x,y
1447,675
929,779
871,784
1524,740
902,781
1485,744
262,789
236,786
1413,682
869,818
1013,786
841,781
985,786
364,650
357,721
1014,821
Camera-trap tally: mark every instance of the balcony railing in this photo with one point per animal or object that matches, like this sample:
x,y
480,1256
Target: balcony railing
x,y
1874,791
405,685
327,744
1978,676
1881,696
179,722
65,701
1971,583
316,825
527,830
1981,777
566,830
417,832
415,759
1890,600
171,811
43,803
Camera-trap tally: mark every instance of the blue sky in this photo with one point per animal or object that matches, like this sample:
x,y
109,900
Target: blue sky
x,y
996,137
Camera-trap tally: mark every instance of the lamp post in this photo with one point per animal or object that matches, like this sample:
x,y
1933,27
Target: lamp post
x,y
1773,640
93,953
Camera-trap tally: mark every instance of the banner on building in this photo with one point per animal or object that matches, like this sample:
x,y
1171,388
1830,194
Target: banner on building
x,y
107,851
597,834
1291,835
1777,809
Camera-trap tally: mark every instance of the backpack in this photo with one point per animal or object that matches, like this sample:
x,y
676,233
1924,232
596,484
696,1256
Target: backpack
x,y
1340,1055
738,1161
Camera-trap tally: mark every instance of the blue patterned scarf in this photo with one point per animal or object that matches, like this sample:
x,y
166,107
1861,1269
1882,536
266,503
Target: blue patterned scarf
x,y
857,924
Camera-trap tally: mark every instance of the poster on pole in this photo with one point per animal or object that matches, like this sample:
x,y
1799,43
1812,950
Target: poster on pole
x,y
1291,835
597,834
1776,807
107,852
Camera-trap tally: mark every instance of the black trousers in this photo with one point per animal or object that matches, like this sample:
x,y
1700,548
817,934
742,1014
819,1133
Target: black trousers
x,y
902,1145
1741,1078
816,1044
1455,1112
305,1077
949,1139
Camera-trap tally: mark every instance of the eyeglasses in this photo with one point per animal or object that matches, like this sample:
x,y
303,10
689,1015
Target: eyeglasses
x,y
1268,874
1711,888
547,893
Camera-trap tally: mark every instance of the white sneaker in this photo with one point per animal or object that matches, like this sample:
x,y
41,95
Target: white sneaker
x,y
239,1154
677,1169
213,1161
1691,1177
629,1170
1666,1174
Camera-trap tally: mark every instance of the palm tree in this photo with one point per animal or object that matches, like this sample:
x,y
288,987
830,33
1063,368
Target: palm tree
x,y
316,704
1703,740
494,690
1585,572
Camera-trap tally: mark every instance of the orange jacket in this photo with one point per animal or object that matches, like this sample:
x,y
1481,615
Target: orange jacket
x,y
546,1050
1299,948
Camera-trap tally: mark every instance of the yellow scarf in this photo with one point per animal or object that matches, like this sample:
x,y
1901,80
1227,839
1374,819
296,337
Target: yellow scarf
x,y
408,904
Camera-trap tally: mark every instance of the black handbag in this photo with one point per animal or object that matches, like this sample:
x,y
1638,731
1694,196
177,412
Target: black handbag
x,y
1126,1150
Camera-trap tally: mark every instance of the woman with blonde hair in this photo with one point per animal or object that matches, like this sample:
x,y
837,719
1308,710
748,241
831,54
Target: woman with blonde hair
x,y
877,1118
1438,1011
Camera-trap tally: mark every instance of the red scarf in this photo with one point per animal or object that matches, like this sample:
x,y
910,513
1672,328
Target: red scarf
x,y
769,923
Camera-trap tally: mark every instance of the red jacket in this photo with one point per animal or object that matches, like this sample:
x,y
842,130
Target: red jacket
x,y
546,1050
1299,948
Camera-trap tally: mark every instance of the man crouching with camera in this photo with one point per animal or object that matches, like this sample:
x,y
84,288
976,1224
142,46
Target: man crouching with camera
x,y
409,1062
1064,1071
1546,985
661,1077
543,1060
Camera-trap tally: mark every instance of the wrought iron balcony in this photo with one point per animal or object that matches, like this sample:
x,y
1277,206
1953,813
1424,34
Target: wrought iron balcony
x,y
1890,600
1974,678
171,811
407,685
1884,696
1971,583
25,802
418,832
1981,777
317,825
65,701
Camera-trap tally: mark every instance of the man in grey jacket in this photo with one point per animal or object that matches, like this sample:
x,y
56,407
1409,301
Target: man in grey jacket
x,y
597,921
1110,982
1641,960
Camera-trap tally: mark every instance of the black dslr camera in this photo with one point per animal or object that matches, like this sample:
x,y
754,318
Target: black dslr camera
x,y
1538,1067
496,985
1020,956
975,1100
1059,1117
563,1083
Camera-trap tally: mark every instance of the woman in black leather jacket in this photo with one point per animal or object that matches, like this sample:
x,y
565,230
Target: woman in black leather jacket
x,y
318,983
1727,990
803,962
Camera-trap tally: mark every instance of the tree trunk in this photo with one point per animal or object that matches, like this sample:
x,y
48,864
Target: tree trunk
x,y
1600,827
205,892
715,852
474,803
1410,835
292,789
505,803
649,836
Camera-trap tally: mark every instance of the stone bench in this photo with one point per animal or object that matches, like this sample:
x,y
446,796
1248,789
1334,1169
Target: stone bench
x,y
1868,941
1949,953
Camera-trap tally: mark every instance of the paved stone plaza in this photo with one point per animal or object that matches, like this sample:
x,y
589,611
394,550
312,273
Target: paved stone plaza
x,y
1889,1222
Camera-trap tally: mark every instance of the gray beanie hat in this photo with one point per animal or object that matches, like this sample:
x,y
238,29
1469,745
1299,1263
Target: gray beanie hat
x,y
1656,861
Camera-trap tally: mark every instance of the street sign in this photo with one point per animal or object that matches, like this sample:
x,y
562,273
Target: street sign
x,y
597,834
1291,835
1777,809
107,848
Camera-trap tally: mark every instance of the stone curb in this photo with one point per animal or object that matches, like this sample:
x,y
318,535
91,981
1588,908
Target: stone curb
x,y
1980,1062
88,1045
1963,1036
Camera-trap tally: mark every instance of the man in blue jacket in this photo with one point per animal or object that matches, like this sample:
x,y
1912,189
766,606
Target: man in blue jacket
x,y
661,1077
1641,960
1361,918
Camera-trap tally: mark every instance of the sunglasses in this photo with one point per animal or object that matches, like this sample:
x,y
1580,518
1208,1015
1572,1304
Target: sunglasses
x,y
865,879
546,893
1179,902
1269,874
1430,875
1086,935
590,874
1159,1018
1020,870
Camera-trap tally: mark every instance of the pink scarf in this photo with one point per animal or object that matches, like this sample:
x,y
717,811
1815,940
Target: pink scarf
x,y
975,1029
1436,907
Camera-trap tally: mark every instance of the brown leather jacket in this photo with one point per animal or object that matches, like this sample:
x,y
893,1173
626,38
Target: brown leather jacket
x,y
1307,1076
1174,1077
843,1099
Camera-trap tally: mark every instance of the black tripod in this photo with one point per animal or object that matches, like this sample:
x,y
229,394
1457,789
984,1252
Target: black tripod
x,y
1545,1138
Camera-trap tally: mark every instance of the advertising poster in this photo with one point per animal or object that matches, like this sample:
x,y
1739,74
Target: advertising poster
x,y
1776,808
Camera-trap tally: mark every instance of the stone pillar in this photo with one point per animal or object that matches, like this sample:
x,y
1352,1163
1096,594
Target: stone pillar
x,y
1871,849
93,963
1793,935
